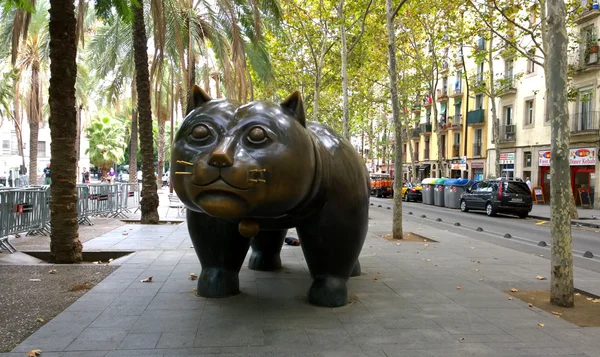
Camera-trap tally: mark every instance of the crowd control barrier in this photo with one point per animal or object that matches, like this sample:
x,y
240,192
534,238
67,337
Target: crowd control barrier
x,y
27,209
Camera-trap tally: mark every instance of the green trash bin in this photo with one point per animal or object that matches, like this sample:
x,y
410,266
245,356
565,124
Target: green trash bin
x,y
438,192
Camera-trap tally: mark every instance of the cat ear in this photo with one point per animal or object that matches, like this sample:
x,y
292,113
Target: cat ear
x,y
197,98
294,104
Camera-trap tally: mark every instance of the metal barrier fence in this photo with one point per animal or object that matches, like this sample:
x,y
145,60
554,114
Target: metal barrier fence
x,y
27,210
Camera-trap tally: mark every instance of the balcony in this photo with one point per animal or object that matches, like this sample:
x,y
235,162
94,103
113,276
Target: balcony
x,y
587,15
425,128
584,123
455,122
476,117
445,67
477,149
507,86
455,150
427,102
457,92
585,60
442,95
416,133
508,133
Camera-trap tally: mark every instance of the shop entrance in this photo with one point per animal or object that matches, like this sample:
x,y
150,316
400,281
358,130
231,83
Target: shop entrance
x,y
582,177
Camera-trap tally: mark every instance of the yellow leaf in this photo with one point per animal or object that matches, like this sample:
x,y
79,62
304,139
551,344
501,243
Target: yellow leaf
x,y
459,288
39,319
53,271
530,305
147,280
539,277
514,290
541,325
595,301
556,313
510,298
375,278
577,294
34,353
589,299
193,276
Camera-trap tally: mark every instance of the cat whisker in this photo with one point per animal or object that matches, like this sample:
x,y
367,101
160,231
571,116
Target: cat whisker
x,y
257,181
185,163
182,173
258,170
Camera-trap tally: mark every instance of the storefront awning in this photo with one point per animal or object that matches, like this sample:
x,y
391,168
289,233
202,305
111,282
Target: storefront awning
x,y
424,167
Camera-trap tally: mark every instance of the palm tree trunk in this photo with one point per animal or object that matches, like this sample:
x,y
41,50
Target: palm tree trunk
x,y
133,145
65,246
34,123
149,202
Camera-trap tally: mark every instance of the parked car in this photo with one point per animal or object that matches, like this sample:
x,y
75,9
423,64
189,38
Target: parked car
x,y
498,196
412,192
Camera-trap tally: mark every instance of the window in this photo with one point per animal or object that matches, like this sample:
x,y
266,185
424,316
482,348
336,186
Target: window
x,y
458,82
481,43
477,142
479,77
530,64
585,115
484,186
426,149
456,138
416,152
589,39
444,86
479,101
443,146
508,115
456,146
428,116
5,147
528,159
529,118
457,112
41,149
14,146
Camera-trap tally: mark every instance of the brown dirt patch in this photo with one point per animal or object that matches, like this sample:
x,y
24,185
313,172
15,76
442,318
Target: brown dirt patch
x,y
586,312
409,237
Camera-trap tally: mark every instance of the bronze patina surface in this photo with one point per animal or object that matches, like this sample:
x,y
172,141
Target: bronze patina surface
x,y
248,173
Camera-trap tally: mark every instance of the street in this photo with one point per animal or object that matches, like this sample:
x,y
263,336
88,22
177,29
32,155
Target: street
x,y
525,233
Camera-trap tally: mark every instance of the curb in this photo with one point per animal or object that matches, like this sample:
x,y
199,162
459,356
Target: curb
x,y
573,223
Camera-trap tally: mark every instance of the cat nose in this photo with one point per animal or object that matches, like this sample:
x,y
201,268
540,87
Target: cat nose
x,y
223,154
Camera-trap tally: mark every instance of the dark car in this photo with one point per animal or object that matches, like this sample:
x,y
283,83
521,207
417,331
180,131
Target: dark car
x,y
412,192
498,196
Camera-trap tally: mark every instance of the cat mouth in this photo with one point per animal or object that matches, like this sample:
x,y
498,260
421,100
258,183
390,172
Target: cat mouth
x,y
219,181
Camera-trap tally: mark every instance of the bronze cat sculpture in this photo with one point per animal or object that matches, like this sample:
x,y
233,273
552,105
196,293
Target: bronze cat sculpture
x,y
248,173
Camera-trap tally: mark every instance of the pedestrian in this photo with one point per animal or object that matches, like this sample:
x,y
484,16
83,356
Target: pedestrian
x,y
528,182
85,176
47,175
111,176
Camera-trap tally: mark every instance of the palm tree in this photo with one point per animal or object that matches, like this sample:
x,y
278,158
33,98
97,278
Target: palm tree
x,y
34,58
149,202
107,144
65,246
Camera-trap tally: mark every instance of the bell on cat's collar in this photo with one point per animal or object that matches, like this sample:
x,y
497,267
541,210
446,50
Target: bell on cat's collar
x,y
248,228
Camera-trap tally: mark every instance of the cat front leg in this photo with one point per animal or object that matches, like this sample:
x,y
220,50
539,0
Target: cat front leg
x,y
266,249
221,250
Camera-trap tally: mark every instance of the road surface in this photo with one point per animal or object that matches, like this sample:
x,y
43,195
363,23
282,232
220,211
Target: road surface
x,y
525,234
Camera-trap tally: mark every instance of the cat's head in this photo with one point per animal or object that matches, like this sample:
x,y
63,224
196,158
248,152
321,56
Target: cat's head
x,y
237,161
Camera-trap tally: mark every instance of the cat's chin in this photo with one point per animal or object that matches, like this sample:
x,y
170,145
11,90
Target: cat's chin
x,y
222,204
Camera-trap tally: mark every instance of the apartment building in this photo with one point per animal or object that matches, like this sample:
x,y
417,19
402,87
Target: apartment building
x,y
10,160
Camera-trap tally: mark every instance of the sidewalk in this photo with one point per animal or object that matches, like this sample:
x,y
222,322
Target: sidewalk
x,y
406,303
587,217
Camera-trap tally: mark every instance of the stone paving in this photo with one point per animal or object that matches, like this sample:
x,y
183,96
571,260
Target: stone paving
x,y
406,304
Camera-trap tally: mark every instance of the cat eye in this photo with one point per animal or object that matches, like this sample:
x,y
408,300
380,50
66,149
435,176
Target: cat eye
x,y
201,132
257,135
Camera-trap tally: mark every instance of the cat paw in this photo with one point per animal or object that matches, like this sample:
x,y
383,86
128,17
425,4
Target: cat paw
x,y
328,292
264,262
218,283
356,271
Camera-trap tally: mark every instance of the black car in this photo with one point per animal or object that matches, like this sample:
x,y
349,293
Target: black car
x,y
412,192
498,196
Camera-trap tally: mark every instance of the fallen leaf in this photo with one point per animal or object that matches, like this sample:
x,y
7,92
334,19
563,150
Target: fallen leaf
x,y
556,313
459,288
397,243
510,298
53,271
428,260
110,260
476,269
541,325
542,255
39,319
193,276
426,245
147,280
480,279
35,279
577,294
539,277
424,240
589,299
514,290
95,262
34,353
375,278
530,305
595,301
125,233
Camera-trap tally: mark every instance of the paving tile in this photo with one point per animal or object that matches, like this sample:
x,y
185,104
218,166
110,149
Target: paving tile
x,y
285,337
177,340
533,334
329,337
140,340
229,335
177,301
167,321
112,320
96,338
